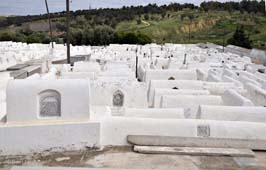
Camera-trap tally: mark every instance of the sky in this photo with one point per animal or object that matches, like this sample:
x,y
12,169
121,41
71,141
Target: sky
x,y
30,7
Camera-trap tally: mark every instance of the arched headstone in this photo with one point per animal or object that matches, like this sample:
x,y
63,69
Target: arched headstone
x,y
171,78
118,99
50,104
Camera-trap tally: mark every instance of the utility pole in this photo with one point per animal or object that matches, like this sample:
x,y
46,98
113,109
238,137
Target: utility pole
x,y
50,25
68,33
137,60
224,18
223,39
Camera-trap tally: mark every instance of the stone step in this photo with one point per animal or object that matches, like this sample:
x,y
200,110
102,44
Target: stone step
x,y
65,168
194,151
174,141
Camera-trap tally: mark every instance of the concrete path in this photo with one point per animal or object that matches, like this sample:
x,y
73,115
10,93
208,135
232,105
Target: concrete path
x,y
118,158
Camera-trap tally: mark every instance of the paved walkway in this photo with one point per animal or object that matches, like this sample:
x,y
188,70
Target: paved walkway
x,y
123,158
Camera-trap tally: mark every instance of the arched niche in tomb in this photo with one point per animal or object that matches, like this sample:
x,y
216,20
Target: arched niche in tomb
x,y
118,99
171,78
49,103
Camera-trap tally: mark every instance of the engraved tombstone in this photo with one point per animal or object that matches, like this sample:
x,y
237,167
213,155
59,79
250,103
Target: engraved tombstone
x,y
50,104
203,131
118,99
171,78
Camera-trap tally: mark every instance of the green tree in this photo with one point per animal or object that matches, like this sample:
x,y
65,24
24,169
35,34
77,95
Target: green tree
x,y
103,35
7,36
138,21
240,38
20,37
33,38
88,36
76,36
146,17
132,38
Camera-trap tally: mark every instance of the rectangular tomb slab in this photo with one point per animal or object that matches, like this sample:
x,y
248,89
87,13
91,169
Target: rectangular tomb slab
x,y
62,168
174,141
194,151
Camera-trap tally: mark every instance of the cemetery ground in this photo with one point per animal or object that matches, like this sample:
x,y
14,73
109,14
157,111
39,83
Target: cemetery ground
x,y
125,158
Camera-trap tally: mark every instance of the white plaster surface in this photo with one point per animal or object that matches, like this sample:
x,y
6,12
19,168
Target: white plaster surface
x,y
46,136
181,84
161,92
190,102
23,99
166,74
168,113
122,127
256,94
232,113
233,98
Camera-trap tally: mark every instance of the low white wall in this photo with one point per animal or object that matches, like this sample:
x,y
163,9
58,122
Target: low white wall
x,y
135,93
166,74
257,76
232,113
181,84
49,76
245,80
213,78
190,103
233,98
114,131
226,78
229,73
86,67
17,139
160,92
256,94
77,75
202,75
23,99
176,113
34,77
219,88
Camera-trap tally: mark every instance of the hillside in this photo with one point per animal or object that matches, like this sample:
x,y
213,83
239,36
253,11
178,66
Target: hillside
x,y
205,27
175,23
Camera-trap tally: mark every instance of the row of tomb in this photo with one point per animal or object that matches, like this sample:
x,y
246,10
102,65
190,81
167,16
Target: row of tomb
x,y
121,90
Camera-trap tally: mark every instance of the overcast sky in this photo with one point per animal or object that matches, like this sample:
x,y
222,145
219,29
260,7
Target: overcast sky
x,y
27,7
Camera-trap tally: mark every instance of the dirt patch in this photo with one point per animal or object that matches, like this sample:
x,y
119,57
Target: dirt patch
x,y
123,157
198,25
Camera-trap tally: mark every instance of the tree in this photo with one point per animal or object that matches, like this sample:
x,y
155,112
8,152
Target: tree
x,y
146,17
76,36
103,35
132,38
33,38
138,21
240,38
88,36
7,36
